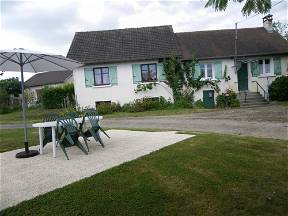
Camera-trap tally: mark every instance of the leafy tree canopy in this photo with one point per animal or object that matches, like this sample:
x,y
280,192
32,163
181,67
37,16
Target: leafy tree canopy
x,y
281,28
11,86
255,6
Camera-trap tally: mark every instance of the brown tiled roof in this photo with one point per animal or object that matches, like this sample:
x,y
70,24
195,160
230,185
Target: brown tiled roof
x,y
220,43
124,45
48,78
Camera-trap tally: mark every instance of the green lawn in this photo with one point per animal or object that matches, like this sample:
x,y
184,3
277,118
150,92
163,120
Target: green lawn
x,y
209,174
36,115
11,139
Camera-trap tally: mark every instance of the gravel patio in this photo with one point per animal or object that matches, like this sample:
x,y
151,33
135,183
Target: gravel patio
x,y
24,179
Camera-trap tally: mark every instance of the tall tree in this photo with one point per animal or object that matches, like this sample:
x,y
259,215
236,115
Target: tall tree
x,y
255,6
11,86
281,28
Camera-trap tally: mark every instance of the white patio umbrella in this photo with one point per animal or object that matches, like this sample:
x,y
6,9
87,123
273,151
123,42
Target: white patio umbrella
x,y
23,60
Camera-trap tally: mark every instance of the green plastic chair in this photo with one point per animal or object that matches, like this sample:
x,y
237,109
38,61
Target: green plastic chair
x,y
70,134
47,131
73,114
93,131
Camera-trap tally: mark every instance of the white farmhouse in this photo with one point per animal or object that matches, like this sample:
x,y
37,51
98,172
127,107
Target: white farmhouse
x,y
115,61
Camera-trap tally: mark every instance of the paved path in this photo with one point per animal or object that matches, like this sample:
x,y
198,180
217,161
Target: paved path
x,y
268,122
24,179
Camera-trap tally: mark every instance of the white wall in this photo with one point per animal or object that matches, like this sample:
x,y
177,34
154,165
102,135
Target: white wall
x,y
123,92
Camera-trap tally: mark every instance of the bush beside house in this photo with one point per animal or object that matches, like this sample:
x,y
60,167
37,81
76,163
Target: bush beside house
x,y
227,99
278,90
58,97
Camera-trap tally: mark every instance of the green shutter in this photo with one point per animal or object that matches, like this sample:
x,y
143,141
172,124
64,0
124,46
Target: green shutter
x,y
218,70
89,77
136,70
277,65
161,76
254,69
113,75
197,73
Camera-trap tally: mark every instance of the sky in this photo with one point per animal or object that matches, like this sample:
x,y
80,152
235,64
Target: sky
x,y
49,25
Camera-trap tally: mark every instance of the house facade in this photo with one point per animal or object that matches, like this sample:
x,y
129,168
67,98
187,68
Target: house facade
x,y
116,61
36,83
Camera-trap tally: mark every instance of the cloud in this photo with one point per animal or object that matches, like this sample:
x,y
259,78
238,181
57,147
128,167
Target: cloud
x,y
49,25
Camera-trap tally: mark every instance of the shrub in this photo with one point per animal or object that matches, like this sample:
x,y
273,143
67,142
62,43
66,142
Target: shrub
x,y
58,97
145,104
227,99
199,104
107,108
278,90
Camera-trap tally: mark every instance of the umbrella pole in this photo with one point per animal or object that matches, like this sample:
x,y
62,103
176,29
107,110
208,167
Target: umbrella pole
x,y
27,153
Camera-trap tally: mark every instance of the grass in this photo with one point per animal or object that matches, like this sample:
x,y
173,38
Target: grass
x,y
283,103
36,114
11,139
33,115
209,174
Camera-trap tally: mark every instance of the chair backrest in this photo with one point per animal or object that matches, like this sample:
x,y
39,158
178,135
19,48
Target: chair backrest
x,y
92,116
51,116
73,114
68,124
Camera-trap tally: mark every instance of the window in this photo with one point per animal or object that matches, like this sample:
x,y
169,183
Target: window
x,y
101,76
148,72
207,71
264,66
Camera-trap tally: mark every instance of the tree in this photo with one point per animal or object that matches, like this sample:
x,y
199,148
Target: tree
x,y
255,6
281,28
11,85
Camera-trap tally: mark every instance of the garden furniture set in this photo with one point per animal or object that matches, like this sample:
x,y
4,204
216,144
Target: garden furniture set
x,y
66,131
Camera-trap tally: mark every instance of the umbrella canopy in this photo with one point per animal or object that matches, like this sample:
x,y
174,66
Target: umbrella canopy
x,y
34,61
23,60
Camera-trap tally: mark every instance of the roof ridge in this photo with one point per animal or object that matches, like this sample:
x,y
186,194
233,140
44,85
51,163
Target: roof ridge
x,y
108,30
219,30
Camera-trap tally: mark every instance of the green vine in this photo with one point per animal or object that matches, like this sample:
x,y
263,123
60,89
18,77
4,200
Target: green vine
x,y
226,78
144,87
181,77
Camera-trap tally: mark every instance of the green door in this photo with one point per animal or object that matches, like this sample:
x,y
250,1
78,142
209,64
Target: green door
x,y
242,75
208,98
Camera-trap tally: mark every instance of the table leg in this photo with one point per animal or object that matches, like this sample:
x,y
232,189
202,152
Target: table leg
x,y
54,141
41,140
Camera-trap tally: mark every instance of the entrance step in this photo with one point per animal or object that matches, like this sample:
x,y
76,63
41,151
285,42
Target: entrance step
x,y
253,99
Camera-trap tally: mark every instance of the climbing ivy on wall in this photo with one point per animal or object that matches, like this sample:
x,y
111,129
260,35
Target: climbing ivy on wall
x,y
181,77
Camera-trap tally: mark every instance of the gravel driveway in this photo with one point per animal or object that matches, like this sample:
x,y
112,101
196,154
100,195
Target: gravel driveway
x,y
269,122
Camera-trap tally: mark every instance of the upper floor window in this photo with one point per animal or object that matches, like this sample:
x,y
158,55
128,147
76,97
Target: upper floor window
x,y
148,72
264,66
207,71
101,76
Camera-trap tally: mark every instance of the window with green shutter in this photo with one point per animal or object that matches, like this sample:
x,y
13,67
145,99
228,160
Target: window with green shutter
x,y
197,73
254,68
113,75
161,76
218,70
136,73
89,77
277,65
101,76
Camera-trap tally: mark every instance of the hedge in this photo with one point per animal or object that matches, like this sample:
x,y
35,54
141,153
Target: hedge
x,y
58,97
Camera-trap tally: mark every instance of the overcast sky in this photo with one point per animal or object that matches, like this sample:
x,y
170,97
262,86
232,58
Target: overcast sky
x,y
50,25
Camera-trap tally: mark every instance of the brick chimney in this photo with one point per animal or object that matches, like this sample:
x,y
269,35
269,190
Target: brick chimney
x,y
267,23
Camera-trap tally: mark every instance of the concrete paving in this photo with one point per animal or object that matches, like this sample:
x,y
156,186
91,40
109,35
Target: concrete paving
x,y
23,179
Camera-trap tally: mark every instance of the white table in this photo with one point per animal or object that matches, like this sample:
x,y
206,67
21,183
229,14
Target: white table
x,y
53,125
